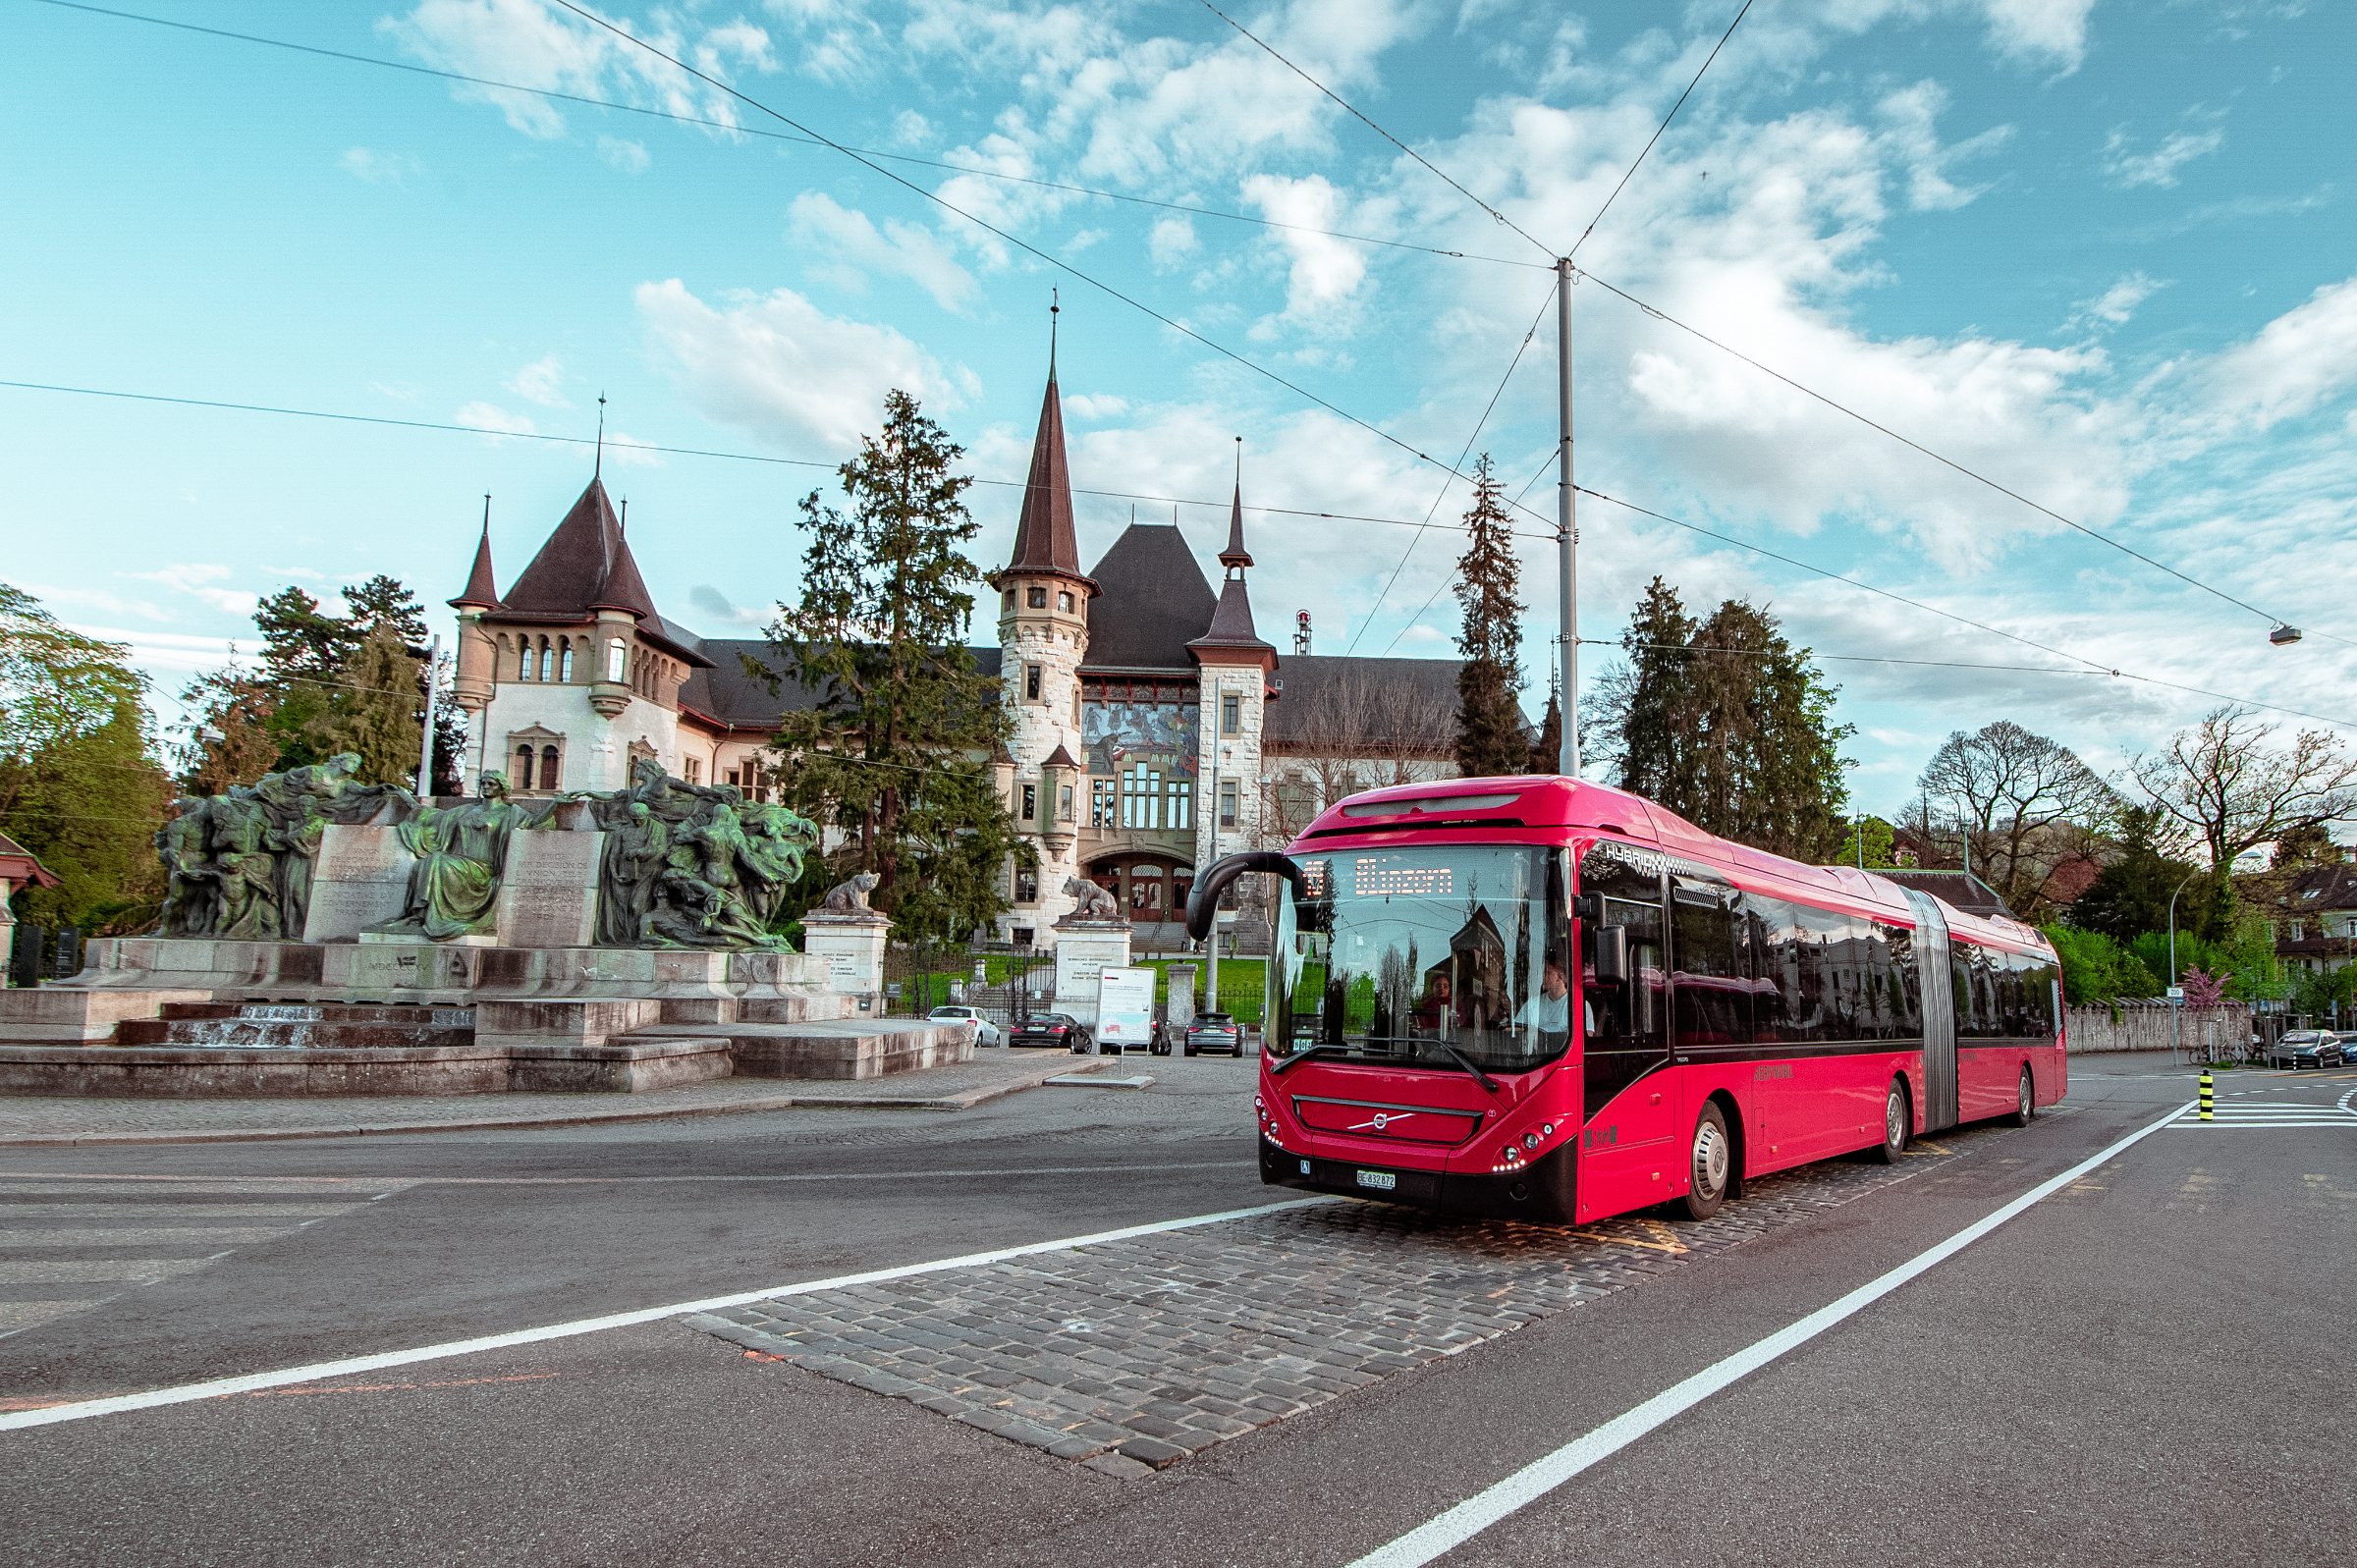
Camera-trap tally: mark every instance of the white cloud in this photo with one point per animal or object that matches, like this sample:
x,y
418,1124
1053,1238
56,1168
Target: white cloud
x,y
1094,406
2298,360
2053,30
776,365
541,382
2128,169
858,249
629,157
2115,305
714,605
910,129
1172,241
1909,113
535,45
1326,273
94,598
493,420
395,169
629,451
198,579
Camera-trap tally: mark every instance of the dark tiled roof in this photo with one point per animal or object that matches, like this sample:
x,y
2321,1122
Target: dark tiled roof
x,y
2332,888
1236,555
482,589
1043,533
1958,889
1153,601
1408,693
585,566
1231,621
725,692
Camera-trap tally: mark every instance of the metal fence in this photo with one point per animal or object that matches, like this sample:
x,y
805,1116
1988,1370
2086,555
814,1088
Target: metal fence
x,y
42,952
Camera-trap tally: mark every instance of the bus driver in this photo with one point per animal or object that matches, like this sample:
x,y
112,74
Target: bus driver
x,y
1549,1011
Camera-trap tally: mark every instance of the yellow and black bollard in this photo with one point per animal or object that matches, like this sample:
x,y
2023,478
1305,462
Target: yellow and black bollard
x,y
2209,1098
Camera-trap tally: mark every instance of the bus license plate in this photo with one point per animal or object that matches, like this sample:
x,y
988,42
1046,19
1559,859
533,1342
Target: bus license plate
x,y
1382,1180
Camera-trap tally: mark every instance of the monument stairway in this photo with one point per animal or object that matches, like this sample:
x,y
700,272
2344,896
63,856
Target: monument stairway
x,y
283,1027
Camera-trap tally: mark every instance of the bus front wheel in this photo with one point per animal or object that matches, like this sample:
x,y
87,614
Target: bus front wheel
x,y
1710,1165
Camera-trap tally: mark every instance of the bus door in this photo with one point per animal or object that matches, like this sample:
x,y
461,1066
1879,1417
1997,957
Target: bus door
x,y
1630,1149
1939,1013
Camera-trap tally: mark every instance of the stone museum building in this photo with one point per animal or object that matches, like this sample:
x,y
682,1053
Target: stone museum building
x,y
1154,728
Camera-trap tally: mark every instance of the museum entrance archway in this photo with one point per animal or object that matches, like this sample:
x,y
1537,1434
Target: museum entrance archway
x,y
1151,888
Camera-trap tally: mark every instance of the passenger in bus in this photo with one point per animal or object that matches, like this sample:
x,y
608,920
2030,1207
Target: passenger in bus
x,y
1549,1011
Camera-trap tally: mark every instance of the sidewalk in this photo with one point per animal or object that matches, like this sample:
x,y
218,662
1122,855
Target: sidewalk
x,y
50,1123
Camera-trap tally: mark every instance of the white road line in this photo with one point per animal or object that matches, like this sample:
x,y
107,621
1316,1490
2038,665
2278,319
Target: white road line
x,y
617,1181
350,1365
150,1213
1534,1481
19,1240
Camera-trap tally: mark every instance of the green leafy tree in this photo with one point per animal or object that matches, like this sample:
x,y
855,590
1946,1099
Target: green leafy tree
x,y
1547,752
1879,837
80,786
370,709
2096,968
1730,725
895,750
1492,735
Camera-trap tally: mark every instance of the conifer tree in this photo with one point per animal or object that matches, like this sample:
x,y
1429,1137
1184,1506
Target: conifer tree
x,y
370,709
1492,735
895,751
1728,724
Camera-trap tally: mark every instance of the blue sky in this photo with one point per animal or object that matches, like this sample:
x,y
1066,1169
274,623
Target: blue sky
x,y
2100,253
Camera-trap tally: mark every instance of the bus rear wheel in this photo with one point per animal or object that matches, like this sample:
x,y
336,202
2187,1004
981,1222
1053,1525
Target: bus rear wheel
x,y
1898,1123
1710,1165
2025,1104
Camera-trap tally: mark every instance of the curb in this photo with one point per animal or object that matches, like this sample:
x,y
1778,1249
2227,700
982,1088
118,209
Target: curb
x,y
959,1102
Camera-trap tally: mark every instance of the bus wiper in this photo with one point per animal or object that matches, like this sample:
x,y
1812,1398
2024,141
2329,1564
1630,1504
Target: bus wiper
x,y
1468,1063
1303,1055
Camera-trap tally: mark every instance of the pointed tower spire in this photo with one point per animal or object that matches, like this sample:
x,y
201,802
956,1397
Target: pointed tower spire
x,y
482,590
1043,533
599,470
1235,556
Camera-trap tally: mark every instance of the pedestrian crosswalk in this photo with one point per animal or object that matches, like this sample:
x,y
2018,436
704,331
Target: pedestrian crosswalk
x,y
2256,1112
72,1244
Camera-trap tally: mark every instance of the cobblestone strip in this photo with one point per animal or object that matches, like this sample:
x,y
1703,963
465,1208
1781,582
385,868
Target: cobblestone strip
x,y
1130,1355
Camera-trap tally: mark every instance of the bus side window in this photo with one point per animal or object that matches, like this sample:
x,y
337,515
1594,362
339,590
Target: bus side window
x,y
1628,1036
1713,988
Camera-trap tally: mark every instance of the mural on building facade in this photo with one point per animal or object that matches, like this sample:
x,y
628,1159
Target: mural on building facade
x,y
1114,732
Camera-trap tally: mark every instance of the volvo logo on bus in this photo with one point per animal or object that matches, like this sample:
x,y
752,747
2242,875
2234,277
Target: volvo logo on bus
x,y
1383,1119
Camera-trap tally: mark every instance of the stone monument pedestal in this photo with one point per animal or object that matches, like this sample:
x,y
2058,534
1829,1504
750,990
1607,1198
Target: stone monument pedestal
x,y
361,879
1085,951
852,947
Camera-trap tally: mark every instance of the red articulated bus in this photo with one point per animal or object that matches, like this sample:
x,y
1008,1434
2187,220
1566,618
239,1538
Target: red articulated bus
x,y
1548,1000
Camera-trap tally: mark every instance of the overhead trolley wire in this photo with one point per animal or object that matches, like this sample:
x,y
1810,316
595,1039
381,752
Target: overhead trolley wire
x,y
695,452
1658,130
1372,125
1950,462
1444,483
774,136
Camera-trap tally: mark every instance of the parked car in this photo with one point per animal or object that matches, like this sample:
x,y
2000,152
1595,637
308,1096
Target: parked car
x,y
986,1033
1215,1031
1053,1029
2307,1048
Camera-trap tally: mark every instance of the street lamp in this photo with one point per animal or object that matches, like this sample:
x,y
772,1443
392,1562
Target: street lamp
x,y
2177,1004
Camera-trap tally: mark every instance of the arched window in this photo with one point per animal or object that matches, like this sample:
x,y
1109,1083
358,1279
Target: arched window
x,y
548,767
614,659
548,664
524,658
523,767
565,668
499,658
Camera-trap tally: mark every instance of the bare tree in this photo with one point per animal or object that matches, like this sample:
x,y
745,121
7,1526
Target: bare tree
x,y
2026,801
1352,732
2224,784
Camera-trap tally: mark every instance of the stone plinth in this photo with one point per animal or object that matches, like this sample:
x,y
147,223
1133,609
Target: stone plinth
x,y
1085,951
361,877
1179,1010
852,947
548,890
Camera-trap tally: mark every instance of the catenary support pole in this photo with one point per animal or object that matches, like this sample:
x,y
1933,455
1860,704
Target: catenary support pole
x,y
425,743
1566,530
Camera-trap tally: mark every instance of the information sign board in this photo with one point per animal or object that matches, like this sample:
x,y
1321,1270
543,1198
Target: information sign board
x,y
1126,1007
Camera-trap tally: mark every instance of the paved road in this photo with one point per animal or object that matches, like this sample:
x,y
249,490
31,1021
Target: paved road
x,y
2144,1368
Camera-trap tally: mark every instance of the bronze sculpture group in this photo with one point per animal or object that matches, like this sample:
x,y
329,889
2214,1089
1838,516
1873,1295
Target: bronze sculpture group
x,y
685,865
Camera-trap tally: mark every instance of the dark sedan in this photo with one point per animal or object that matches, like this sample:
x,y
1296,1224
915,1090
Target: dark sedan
x,y
1052,1029
2307,1048
1215,1031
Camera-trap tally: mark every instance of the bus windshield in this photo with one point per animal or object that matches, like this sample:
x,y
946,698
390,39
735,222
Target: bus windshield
x,y
1455,956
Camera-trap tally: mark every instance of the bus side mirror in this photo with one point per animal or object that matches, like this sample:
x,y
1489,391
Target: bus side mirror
x,y
1588,907
1612,955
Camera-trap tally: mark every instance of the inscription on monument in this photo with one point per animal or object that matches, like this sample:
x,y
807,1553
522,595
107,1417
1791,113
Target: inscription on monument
x,y
548,895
